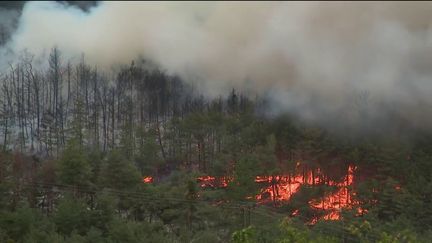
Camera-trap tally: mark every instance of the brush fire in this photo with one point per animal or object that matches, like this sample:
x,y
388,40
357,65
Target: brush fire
x,y
278,190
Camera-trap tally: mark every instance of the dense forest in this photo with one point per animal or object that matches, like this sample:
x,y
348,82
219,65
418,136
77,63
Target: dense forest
x,y
137,155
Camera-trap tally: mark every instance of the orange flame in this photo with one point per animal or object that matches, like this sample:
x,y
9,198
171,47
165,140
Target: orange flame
x,y
148,179
338,200
214,182
279,188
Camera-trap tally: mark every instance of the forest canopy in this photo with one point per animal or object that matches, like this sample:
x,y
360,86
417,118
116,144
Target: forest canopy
x,y
140,122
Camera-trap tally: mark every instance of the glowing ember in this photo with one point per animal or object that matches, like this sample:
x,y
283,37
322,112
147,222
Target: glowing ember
x,y
148,179
206,181
213,182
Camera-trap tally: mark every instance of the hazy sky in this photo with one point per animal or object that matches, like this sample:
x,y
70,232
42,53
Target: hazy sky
x,y
311,58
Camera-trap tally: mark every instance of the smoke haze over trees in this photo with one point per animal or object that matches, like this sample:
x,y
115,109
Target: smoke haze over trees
x,y
218,121
310,59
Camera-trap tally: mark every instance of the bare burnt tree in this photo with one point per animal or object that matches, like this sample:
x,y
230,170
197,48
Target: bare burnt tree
x,y
43,106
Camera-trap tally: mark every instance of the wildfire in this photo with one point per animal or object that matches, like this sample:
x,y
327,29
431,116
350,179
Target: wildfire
x,y
213,182
281,188
148,179
334,202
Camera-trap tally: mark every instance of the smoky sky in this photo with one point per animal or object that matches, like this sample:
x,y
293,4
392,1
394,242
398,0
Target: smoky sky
x,y
10,11
18,5
312,59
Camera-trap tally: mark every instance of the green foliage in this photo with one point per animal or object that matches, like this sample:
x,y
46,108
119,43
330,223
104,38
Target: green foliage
x,y
246,235
17,224
103,212
78,122
127,145
128,231
24,225
292,233
74,168
147,158
72,215
102,198
244,186
119,173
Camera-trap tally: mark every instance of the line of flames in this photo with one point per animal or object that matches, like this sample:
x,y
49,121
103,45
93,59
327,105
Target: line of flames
x,y
281,188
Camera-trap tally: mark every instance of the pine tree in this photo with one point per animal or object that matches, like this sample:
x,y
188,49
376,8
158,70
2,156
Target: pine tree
x,y
74,168
119,173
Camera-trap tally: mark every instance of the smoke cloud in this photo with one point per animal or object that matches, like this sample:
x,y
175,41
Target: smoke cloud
x,y
314,59
8,21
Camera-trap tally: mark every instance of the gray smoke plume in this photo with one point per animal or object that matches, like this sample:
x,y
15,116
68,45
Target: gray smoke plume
x,y
8,23
314,59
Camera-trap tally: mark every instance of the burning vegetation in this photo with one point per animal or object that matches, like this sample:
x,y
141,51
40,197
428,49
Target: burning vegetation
x,y
278,190
264,122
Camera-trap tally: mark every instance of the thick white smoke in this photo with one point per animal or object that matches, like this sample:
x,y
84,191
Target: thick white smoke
x,y
7,23
309,57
